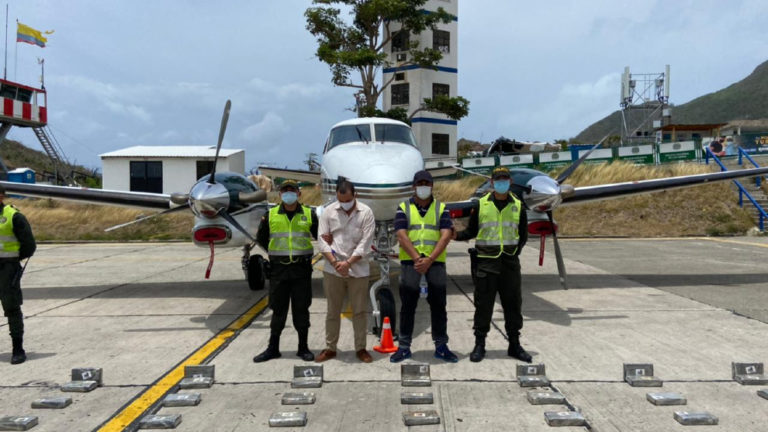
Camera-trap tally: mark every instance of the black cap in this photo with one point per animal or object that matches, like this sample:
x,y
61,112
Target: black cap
x,y
500,172
421,176
289,183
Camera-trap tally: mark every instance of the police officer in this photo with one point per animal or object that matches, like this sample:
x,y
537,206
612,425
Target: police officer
x,y
424,228
500,226
285,233
18,243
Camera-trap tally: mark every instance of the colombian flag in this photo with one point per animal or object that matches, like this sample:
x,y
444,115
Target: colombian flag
x,y
31,36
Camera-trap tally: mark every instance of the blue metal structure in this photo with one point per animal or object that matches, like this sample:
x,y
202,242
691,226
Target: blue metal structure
x,y
742,191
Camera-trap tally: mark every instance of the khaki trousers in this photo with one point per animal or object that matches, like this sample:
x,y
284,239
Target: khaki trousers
x,y
336,289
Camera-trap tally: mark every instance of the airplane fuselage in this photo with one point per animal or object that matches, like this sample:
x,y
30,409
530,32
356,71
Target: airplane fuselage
x,y
380,166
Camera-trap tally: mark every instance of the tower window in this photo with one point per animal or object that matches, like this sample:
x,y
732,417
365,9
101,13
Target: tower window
x,y
400,94
400,76
400,41
440,90
441,41
440,144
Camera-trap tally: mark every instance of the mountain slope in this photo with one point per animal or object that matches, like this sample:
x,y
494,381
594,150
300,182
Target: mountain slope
x,y
744,100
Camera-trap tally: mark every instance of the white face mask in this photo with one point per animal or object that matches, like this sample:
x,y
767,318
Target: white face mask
x,y
423,192
347,206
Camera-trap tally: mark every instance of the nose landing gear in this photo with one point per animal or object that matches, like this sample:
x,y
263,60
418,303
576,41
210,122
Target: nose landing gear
x,y
382,299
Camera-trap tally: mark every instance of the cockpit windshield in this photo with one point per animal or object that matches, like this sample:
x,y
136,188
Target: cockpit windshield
x,y
362,133
394,133
349,133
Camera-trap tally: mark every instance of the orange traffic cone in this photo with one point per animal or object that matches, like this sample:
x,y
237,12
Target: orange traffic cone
x,y
387,344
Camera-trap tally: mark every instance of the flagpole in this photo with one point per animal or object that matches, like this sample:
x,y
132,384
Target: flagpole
x,y
5,65
16,56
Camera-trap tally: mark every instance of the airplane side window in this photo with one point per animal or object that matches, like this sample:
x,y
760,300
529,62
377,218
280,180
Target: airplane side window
x,y
349,133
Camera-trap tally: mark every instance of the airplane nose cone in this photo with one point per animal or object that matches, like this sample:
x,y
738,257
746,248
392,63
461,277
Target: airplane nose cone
x,y
209,199
545,193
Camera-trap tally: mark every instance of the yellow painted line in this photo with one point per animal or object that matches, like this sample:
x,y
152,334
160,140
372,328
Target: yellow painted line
x,y
153,394
738,242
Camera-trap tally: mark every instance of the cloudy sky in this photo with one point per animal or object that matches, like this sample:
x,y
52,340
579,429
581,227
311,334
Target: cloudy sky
x,y
125,73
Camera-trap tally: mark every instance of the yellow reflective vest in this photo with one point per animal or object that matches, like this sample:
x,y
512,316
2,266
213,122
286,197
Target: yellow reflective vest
x,y
497,229
424,232
10,244
290,238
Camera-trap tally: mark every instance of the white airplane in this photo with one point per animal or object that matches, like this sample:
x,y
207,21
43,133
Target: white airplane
x,y
380,157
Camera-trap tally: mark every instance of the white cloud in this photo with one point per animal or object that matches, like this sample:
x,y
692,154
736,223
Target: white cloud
x,y
266,132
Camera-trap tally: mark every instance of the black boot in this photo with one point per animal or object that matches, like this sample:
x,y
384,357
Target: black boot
x,y
304,353
18,356
478,354
272,351
516,350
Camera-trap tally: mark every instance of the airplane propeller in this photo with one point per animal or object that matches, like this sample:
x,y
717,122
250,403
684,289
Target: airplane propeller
x,y
224,121
211,199
565,174
546,194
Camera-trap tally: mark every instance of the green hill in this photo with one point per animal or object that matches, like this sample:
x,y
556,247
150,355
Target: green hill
x,y
744,100
15,155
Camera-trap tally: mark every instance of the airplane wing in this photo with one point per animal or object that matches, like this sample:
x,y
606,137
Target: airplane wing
x,y
298,175
618,190
585,194
144,200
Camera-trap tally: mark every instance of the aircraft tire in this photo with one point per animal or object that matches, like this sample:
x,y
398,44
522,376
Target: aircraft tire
x,y
386,303
256,275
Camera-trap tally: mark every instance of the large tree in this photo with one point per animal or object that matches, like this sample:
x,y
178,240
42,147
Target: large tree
x,y
358,45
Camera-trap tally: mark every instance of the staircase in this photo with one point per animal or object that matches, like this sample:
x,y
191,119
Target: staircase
x,y
48,144
52,148
750,184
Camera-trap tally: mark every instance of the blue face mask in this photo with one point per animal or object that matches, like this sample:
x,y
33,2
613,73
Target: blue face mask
x,y
501,186
289,197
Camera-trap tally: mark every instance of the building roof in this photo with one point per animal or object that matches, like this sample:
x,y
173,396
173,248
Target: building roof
x,y
692,127
749,125
170,152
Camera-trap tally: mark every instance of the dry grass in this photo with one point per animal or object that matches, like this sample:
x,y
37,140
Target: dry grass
x,y
457,190
58,221
703,210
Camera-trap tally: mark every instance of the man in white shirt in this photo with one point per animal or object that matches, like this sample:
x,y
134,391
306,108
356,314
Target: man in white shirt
x,y
346,228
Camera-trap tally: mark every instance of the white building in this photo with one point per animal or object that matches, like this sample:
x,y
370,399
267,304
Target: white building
x,y
165,169
435,133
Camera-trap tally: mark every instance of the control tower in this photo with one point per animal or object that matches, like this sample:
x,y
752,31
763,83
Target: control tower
x,y
26,107
435,133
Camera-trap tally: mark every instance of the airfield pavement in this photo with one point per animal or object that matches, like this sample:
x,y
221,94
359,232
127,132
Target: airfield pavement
x,y
139,310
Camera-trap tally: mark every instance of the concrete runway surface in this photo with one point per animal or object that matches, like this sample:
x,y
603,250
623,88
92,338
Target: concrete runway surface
x,y
142,311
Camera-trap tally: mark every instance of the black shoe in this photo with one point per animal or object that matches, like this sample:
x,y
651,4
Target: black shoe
x,y
477,354
18,357
305,354
268,354
517,351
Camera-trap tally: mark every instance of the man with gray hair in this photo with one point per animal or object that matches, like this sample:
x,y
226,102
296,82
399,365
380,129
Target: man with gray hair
x,y
346,229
